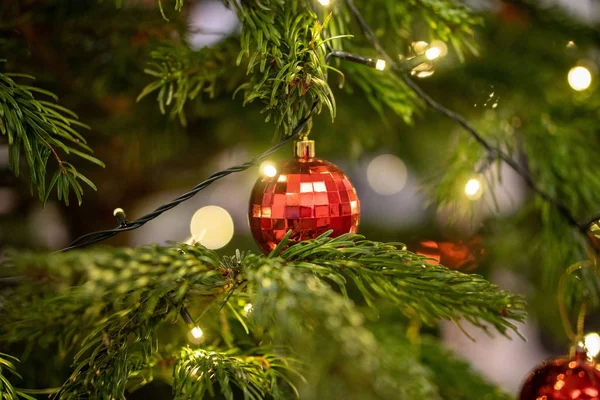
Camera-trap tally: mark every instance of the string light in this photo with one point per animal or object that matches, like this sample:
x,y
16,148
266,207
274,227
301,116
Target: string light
x,y
592,344
380,65
432,53
248,308
579,78
268,169
473,188
196,332
325,2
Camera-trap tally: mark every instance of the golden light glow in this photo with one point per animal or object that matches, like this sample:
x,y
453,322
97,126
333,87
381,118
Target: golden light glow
x,y
248,308
473,189
325,2
432,53
268,169
441,46
212,227
592,344
580,78
196,332
380,65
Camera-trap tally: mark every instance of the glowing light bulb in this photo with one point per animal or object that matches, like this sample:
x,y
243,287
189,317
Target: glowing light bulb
x,y
579,78
248,308
212,227
592,344
196,332
325,2
432,53
268,169
380,65
473,189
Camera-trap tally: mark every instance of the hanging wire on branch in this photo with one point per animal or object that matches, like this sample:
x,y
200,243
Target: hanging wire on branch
x,y
492,150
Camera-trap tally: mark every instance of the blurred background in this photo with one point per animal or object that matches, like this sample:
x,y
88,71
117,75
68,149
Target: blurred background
x,y
150,158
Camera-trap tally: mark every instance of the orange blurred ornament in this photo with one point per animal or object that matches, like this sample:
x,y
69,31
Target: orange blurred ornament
x,y
306,195
462,255
563,378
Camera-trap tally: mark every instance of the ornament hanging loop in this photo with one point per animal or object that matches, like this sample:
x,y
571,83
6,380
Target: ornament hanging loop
x,y
575,336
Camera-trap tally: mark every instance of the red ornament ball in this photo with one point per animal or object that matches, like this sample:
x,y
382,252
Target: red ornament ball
x,y
563,378
306,195
462,255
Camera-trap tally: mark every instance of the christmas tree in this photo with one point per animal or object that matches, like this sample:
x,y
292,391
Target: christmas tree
x,y
464,134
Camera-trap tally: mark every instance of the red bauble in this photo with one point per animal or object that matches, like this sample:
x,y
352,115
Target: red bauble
x,y
563,378
306,195
460,255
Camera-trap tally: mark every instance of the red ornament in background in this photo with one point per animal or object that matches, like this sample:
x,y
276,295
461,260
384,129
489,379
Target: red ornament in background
x,y
307,195
462,255
563,378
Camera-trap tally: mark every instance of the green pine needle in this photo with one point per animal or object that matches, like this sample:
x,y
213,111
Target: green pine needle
x,y
40,130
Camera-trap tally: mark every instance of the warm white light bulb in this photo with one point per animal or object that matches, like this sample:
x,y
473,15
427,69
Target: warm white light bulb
x,y
325,2
196,332
268,169
432,53
579,78
592,344
248,308
473,188
380,65
212,227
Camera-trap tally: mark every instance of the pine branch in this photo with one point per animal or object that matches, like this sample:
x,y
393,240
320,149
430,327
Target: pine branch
x,y
106,296
7,390
283,41
41,129
257,376
389,271
96,300
294,308
184,74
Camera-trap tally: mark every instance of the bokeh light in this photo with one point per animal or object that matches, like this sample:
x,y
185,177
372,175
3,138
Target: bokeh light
x,y
268,169
387,174
380,65
325,2
592,344
432,53
212,227
580,78
474,188
248,308
441,46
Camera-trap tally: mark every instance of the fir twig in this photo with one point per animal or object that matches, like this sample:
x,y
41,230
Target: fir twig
x,y
41,129
388,270
257,376
7,390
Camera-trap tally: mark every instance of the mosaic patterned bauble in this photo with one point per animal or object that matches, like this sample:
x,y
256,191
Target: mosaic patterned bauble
x,y
306,195
563,378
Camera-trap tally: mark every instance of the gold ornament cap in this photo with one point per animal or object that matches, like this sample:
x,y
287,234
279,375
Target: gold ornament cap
x,y
304,149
